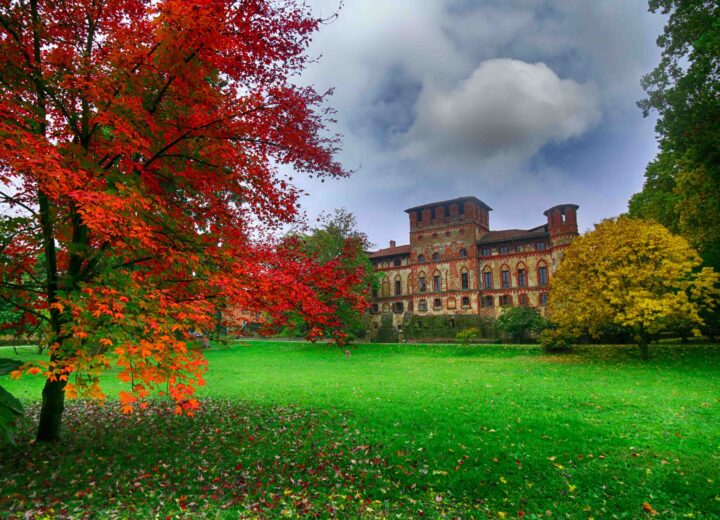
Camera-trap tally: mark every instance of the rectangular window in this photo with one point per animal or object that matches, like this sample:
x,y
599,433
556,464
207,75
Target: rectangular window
x,y
505,279
488,301
398,307
422,305
466,301
503,250
398,287
542,275
543,298
518,248
423,285
375,308
437,284
465,280
521,278
487,280
432,213
486,251
505,300
461,209
540,246
437,303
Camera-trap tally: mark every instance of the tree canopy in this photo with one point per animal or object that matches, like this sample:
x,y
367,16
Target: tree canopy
x,y
682,187
630,275
139,150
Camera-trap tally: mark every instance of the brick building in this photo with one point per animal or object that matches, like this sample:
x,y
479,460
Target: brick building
x,y
455,265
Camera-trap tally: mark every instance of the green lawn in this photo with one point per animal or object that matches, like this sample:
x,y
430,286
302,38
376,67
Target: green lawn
x,y
397,431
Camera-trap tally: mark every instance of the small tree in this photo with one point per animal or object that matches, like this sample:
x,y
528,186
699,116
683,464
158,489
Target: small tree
x,y
632,275
518,323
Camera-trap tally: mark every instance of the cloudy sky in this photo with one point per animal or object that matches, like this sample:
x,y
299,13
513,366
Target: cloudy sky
x,y
523,103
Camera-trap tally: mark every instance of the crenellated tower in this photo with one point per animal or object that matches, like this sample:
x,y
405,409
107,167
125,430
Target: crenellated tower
x,y
562,223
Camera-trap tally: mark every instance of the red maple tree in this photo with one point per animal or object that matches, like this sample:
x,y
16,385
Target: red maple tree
x,y
140,142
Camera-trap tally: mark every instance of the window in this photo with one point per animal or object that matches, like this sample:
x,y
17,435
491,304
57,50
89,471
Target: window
x,y
446,210
486,251
463,252
518,248
397,262
505,274
375,308
543,298
465,280
418,215
398,286
521,278
437,303
421,258
540,246
385,287
503,250
386,307
465,302
542,275
435,257
523,300
437,283
451,303
432,213
398,307
422,286
487,280
422,305
488,301
505,300
461,208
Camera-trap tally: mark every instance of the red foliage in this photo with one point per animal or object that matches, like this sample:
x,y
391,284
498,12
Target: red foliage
x,y
140,143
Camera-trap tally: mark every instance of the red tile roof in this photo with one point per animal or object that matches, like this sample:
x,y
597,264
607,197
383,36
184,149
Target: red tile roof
x,y
391,251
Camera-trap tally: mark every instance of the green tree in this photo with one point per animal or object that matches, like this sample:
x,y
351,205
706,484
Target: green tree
x,y
633,276
336,237
682,187
518,323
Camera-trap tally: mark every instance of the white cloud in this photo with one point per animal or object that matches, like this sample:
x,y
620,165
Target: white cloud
x,y
506,109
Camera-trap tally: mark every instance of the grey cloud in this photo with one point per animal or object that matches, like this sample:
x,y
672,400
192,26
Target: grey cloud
x,y
506,108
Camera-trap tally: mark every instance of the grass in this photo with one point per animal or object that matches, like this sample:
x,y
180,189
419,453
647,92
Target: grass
x,y
290,429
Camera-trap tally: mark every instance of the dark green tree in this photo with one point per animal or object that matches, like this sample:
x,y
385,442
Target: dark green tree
x,y
517,324
682,188
336,236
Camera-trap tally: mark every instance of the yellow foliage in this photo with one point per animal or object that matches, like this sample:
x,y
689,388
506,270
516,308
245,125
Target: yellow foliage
x,y
630,274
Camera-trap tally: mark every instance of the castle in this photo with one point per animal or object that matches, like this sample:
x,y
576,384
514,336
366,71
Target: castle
x,y
455,265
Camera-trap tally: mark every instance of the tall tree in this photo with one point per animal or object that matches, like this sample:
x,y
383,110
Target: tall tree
x,y
682,188
632,276
336,238
139,144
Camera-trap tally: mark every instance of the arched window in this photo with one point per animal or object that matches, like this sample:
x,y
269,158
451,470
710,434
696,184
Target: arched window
x,y
451,304
542,274
422,305
437,282
523,300
398,285
465,302
386,307
505,276
521,275
487,278
436,257
421,258
505,300
385,287
463,252
464,278
437,303
422,283
410,284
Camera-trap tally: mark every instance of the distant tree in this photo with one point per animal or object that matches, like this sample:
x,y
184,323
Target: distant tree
x,y
682,187
337,238
517,324
633,276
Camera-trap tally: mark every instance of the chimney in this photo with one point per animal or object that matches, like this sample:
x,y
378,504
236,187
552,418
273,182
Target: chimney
x,y
392,243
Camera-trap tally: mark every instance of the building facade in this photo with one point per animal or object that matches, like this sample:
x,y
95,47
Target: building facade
x,y
455,264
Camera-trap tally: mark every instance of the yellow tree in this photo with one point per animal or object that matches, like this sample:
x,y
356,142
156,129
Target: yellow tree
x,y
632,275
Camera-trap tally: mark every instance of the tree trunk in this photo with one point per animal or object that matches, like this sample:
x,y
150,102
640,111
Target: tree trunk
x,y
53,404
644,350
